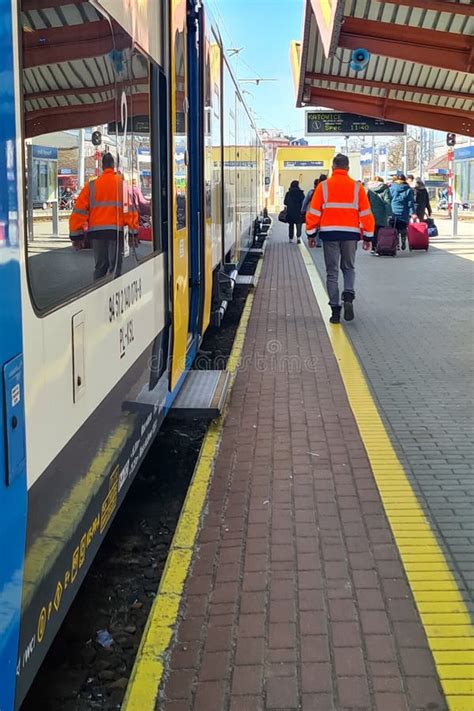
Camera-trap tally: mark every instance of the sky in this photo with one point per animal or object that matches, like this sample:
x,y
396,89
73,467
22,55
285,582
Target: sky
x,y
264,28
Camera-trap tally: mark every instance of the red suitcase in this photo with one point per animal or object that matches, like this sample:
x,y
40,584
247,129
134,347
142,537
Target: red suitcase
x,y
387,240
144,234
417,234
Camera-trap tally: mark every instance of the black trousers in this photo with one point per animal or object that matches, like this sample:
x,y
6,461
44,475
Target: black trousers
x,y
291,225
108,254
401,226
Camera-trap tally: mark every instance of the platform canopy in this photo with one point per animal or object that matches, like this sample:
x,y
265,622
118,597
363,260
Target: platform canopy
x,y
421,60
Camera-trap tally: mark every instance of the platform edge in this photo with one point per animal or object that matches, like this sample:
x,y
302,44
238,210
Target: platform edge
x,y
409,519
149,666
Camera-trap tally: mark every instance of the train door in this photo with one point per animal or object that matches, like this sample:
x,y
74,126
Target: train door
x,y
198,275
12,432
180,234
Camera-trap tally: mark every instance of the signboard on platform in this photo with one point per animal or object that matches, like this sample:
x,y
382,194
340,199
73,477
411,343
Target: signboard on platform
x,y
45,152
338,123
303,164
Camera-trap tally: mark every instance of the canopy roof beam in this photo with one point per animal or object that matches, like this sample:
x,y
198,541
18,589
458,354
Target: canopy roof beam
x,y
436,49
60,118
388,86
54,45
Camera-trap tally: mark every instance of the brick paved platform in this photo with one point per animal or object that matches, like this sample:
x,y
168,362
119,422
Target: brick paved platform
x,y
413,333
297,597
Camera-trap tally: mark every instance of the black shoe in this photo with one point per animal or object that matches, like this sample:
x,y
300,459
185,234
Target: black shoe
x,y
298,241
347,299
404,244
336,314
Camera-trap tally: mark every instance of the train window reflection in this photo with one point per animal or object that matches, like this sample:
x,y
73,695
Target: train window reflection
x,y
88,151
180,138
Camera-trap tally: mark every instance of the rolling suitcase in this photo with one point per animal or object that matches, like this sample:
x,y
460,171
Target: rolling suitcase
x,y
387,240
417,233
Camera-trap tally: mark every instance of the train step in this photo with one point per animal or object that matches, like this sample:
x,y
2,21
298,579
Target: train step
x,y
259,250
247,279
203,394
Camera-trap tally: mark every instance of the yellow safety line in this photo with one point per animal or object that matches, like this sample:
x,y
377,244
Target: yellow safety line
x,y
440,603
258,269
149,664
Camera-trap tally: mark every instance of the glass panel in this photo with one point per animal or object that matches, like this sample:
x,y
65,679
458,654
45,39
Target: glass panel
x,y
83,99
180,168
230,165
135,151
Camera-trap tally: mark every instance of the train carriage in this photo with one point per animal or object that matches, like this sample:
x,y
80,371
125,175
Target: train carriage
x,y
91,367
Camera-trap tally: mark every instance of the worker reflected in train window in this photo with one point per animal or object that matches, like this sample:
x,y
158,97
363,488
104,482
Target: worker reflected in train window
x,y
73,117
99,219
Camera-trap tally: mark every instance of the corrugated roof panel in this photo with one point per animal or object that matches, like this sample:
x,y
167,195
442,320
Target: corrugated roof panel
x,y
73,16
35,20
402,15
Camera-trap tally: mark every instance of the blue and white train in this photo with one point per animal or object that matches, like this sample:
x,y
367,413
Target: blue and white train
x,y
138,77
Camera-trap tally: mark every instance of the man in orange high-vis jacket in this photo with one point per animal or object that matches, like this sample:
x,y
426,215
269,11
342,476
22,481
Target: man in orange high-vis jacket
x,y
103,205
340,211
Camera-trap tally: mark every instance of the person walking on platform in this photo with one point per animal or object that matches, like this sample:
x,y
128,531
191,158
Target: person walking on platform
x,y
294,202
340,210
100,205
380,201
403,206
421,200
307,202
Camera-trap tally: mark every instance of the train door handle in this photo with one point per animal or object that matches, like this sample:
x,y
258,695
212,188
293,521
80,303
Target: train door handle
x,y
78,356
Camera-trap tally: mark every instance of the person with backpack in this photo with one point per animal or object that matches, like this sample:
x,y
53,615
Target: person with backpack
x,y
294,202
421,200
380,201
307,202
403,206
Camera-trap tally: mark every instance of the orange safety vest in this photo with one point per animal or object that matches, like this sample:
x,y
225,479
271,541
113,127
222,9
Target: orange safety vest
x,y
340,209
103,204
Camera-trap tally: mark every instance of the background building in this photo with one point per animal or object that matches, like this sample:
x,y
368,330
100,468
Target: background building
x,y
302,163
272,140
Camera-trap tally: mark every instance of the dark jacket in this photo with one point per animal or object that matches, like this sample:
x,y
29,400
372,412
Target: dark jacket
x,y
294,201
380,203
403,206
306,203
422,202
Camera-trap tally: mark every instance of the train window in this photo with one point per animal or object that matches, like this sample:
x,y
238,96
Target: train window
x,y
87,106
